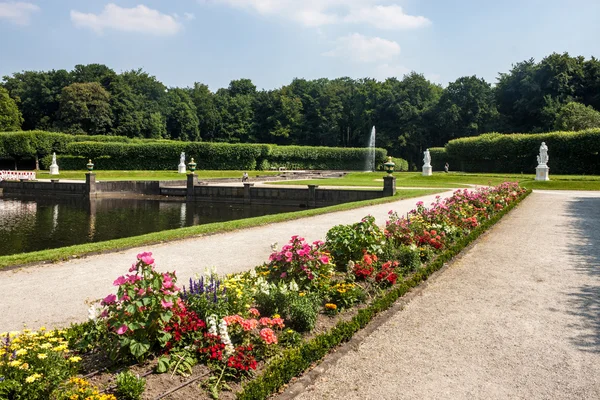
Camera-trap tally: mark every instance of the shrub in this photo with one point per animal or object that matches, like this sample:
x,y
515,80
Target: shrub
x,y
129,386
303,312
144,304
307,265
348,242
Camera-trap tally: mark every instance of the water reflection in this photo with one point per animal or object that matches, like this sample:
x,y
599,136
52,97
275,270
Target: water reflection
x,y
43,223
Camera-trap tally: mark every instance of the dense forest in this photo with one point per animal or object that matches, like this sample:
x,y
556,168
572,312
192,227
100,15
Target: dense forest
x,y
559,92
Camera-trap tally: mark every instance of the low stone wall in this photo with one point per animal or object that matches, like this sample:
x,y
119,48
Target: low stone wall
x,y
134,187
44,188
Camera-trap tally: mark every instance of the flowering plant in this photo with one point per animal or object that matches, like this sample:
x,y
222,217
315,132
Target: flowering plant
x,y
308,265
348,242
79,389
137,315
34,364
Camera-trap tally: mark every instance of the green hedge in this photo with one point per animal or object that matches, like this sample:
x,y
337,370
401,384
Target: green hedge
x,y
305,157
569,152
122,153
439,157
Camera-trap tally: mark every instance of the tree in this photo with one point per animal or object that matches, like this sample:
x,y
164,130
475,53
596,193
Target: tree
x,y
37,94
182,121
10,116
93,73
576,116
206,111
241,87
466,108
85,108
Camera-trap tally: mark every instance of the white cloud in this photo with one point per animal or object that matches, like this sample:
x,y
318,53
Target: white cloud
x,y
18,12
364,49
139,19
189,16
384,71
326,12
386,17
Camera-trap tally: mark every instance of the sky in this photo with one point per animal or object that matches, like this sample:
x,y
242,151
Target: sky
x,y
272,42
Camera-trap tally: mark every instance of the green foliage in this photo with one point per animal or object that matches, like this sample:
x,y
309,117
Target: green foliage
x,y
129,386
409,257
349,242
10,116
303,312
575,116
137,315
85,108
570,152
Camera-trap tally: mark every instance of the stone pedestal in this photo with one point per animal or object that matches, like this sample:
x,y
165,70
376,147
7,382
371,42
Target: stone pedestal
x,y
192,181
427,170
389,186
90,184
182,169
541,173
247,194
54,169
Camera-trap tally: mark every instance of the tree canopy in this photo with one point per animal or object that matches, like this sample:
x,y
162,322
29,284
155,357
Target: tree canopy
x,y
411,113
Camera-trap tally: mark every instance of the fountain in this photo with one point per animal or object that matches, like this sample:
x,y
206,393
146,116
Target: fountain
x,y
370,162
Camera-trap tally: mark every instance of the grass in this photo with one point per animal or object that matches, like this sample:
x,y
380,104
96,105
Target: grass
x,y
64,253
456,180
149,175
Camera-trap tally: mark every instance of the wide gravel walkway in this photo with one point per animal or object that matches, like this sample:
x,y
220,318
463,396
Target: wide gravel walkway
x,y
55,295
516,317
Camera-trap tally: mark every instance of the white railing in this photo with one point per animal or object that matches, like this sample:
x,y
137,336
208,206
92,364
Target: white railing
x,y
17,175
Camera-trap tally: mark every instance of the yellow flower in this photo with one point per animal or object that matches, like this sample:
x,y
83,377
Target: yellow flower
x,y
45,346
25,366
21,352
42,356
330,306
60,347
33,378
15,363
276,316
75,359
301,294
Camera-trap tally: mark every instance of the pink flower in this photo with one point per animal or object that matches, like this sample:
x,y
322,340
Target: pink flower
x,y
144,254
324,259
119,281
283,275
133,268
124,298
148,260
249,324
122,329
141,292
268,335
111,298
254,311
277,322
166,304
233,319
104,314
289,255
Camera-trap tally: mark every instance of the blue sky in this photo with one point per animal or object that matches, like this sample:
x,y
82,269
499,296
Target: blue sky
x,y
274,41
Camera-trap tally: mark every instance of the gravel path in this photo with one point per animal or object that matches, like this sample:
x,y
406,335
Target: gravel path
x,y
56,294
516,317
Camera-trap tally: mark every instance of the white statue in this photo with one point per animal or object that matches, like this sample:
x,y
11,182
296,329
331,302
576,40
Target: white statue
x,y
543,158
427,158
54,166
182,168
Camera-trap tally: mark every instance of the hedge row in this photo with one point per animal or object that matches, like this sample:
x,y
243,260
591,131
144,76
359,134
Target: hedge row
x,y
122,153
569,152
293,362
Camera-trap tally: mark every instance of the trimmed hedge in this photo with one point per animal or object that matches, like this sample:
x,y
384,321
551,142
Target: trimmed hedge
x,y
215,156
122,153
293,362
570,152
305,157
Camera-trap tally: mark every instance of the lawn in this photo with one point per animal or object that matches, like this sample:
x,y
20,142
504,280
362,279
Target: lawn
x,y
149,175
456,180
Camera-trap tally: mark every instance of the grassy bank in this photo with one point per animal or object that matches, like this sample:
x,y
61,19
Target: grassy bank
x,y
456,180
64,253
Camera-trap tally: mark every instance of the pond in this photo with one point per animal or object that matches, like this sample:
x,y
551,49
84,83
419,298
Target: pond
x,y
45,223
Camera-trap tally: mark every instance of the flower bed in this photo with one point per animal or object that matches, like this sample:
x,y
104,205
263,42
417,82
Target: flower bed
x,y
261,327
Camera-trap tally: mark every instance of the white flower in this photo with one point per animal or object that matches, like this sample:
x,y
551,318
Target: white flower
x,y
93,313
212,325
274,246
294,286
225,339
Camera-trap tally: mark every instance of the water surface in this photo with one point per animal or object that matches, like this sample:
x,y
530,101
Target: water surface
x,y
45,223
